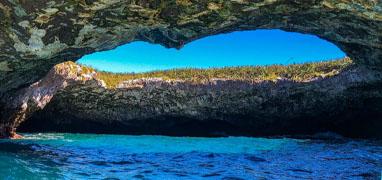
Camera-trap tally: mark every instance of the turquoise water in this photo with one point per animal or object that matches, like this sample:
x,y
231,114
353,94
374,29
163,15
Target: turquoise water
x,y
84,156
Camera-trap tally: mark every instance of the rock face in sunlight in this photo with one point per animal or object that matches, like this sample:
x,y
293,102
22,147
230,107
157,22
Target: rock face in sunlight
x,y
36,96
219,107
36,35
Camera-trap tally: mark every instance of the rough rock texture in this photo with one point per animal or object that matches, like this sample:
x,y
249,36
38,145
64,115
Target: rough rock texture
x,y
26,101
349,103
36,35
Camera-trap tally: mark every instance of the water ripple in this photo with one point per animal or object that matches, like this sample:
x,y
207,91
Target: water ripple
x,y
76,156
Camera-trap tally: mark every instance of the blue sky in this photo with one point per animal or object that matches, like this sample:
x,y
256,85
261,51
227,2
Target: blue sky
x,y
261,47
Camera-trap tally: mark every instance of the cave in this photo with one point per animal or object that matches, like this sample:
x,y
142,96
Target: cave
x,y
36,36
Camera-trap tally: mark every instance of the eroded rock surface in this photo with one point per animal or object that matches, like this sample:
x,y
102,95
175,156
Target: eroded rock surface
x,y
25,102
349,103
36,35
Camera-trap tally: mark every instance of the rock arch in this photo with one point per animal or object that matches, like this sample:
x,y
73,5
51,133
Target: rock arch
x,y
36,35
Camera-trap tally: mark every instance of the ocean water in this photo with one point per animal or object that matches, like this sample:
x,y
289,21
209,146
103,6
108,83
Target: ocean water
x,y
85,156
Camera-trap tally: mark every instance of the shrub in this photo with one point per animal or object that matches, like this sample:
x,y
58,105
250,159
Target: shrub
x,y
296,72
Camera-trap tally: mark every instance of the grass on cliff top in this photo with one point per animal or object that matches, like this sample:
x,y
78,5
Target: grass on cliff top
x,y
296,72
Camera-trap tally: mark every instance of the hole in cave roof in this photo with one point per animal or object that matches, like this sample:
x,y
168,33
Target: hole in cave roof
x,y
242,48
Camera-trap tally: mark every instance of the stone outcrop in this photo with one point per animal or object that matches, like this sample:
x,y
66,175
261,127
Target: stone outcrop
x,y
349,103
36,35
26,101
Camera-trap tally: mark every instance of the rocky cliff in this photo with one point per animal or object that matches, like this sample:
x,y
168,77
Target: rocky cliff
x,y
349,103
26,101
36,35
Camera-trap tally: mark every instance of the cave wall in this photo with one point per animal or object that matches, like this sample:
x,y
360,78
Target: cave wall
x,y
349,103
36,35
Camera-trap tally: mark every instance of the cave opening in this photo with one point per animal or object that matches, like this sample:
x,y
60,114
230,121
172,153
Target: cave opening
x,y
276,85
241,48
252,83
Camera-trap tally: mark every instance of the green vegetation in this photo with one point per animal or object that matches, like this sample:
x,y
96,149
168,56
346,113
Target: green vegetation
x,y
296,72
